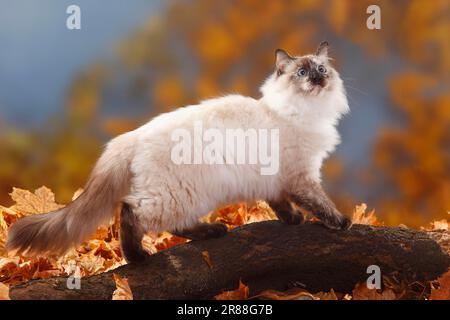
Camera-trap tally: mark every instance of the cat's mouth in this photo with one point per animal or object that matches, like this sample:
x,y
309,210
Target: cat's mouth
x,y
315,89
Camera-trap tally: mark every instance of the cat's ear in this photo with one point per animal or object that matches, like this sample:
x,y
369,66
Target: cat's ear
x,y
322,50
282,59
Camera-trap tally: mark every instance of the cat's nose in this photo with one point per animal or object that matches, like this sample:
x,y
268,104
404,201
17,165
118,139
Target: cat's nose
x,y
316,78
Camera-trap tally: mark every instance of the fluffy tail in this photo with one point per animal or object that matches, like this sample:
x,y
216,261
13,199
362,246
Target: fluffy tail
x,y
57,231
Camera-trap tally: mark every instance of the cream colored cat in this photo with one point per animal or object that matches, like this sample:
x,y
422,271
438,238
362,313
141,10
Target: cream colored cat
x,y
303,99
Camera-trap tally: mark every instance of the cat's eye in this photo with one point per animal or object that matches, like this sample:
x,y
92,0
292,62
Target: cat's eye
x,y
322,69
301,72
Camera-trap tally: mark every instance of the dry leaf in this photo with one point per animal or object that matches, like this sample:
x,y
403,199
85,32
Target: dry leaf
x,y
361,217
261,211
3,234
123,291
8,211
443,293
92,264
361,292
292,294
295,294
4,292
166,243
207,258
41,201
238,214
241,293
440,225
326,295
8,266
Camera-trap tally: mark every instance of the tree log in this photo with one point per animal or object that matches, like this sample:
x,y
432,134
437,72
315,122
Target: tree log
x,y
266,255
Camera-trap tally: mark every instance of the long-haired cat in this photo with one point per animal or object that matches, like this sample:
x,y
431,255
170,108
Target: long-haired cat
x,y
303,99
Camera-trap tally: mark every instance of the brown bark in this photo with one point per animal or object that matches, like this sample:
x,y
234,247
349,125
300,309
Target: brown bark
x,y
266,255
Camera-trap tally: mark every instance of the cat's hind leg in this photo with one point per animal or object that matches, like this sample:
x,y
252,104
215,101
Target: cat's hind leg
x,y
202,231
131,234
286,212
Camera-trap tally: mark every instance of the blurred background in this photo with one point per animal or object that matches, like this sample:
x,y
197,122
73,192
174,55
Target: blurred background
x,y
64,93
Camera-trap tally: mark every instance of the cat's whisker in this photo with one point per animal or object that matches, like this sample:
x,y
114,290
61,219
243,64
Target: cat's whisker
x,y
357,90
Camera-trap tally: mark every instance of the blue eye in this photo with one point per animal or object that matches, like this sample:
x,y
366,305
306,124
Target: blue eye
x,y
301,72
322,69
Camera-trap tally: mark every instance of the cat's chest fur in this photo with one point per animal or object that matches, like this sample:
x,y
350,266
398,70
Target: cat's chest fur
x,y
305,144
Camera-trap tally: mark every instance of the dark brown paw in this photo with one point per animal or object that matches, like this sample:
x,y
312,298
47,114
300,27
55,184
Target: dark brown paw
x,y
346,223
135,256
294,218
215,230
341,223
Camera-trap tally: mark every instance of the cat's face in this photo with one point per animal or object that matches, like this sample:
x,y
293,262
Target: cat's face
x,y
308,75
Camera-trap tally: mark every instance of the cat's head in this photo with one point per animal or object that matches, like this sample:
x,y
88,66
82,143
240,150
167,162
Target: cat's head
x,y
306,84
310,75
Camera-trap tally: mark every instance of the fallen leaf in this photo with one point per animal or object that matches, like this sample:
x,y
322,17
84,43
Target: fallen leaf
x,y
41,201
361,217
440,225
241,293
291,294
8,211
443,293
3,234
168,242
260,211
362,292
207,258
92,264
242,213
123,291
4,292
331,295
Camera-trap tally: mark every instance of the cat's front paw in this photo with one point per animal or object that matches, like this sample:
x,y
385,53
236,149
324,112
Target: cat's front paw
x,y
338,223
346,223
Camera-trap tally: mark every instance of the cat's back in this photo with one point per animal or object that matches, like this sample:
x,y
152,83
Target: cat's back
x,y
233,110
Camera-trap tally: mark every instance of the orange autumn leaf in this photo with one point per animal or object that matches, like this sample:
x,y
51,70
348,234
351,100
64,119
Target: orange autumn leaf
x,y
3,234
170,242
292,294
242,213
440,225
331,295
443,293
4,292
41,201
241,293
295,294
361,217
123,291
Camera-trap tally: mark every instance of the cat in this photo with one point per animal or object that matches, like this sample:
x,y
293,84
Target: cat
x,y
303,99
